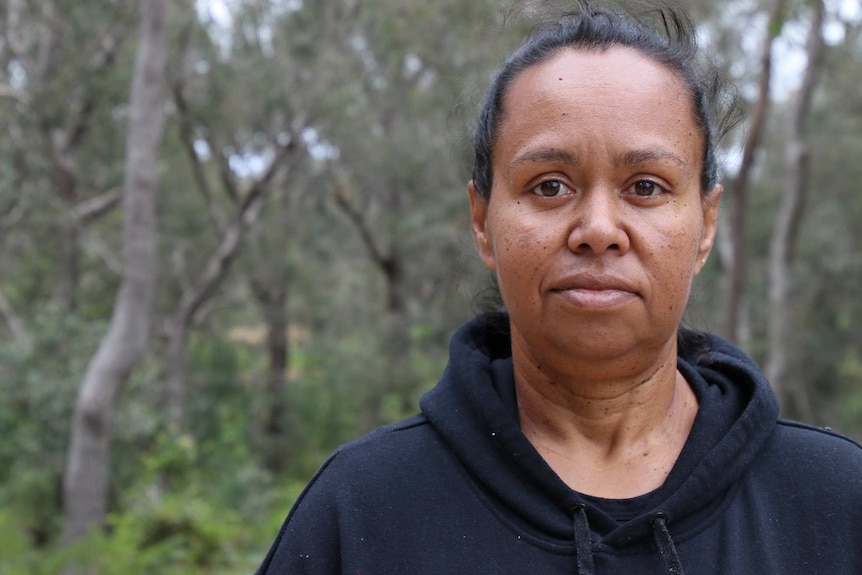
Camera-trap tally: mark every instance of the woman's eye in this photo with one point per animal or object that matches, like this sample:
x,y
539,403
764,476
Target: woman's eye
x,y
646,188
550,188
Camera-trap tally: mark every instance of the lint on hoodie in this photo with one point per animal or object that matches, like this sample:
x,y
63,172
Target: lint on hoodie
x,y
458,488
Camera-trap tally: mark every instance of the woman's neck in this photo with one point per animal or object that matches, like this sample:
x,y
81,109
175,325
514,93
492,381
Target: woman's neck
x,y
608,437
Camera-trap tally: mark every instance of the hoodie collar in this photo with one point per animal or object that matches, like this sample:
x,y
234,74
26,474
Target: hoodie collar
x,y
474,410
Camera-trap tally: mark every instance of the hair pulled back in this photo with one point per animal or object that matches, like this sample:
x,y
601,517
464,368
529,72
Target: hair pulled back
x,y
657,30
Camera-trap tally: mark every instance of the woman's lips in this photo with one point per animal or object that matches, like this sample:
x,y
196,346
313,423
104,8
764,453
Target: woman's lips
x,y
589,298
595,291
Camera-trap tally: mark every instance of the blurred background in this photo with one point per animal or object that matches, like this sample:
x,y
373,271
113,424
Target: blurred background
x,y
284,184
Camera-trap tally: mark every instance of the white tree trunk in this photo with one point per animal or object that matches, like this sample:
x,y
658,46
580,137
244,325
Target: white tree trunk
x,y
85,485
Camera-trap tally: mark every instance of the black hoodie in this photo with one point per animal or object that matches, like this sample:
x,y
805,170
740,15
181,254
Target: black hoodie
x,y
458,489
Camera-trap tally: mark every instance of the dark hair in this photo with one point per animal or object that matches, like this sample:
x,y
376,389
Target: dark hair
x,y
657,30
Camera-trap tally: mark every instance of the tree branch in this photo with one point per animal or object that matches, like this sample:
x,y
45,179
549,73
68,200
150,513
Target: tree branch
x,y
225,171
220,260
11,93
11,319
187,136
91,209
362,226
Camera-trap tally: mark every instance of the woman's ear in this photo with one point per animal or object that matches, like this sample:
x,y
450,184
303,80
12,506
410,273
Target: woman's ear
x,y
710,225
479,225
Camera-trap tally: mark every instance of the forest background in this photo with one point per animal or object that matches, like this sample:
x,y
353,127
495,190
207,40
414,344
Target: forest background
x,y
235,234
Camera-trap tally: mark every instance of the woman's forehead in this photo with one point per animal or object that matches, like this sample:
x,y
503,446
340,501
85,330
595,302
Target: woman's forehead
x,y
633,80
615,94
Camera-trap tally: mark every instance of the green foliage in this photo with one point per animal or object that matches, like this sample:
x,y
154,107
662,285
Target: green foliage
x,y
16,556
192,510
38,383
186,533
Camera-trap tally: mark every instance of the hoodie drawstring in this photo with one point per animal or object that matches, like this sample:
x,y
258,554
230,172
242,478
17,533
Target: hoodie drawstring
x,y
584,548
666,548
583,542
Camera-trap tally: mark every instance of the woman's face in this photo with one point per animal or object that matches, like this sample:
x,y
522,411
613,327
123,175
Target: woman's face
x,y
596,225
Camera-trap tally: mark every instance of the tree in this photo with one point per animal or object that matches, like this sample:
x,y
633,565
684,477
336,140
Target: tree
x,y
85,487
193,298
737,272
235,133
60,103
786,231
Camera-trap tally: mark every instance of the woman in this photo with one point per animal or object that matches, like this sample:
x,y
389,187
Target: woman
x,y
584,431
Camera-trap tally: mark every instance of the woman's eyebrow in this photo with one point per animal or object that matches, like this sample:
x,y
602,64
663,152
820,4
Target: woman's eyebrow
x,y
543,155
634,157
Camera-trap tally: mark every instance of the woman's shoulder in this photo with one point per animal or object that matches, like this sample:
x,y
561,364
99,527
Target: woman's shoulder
x,y
398,454
816,457
813,441
385,445
356,486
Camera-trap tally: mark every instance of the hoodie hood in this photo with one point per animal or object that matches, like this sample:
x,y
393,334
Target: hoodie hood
x,y
474,409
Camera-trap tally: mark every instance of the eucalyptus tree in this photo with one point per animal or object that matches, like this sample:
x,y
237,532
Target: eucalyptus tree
x,y
737,268
822,266
86,482
239,132
65,61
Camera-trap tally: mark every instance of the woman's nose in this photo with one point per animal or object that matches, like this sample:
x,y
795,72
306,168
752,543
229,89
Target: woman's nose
x,y
598,225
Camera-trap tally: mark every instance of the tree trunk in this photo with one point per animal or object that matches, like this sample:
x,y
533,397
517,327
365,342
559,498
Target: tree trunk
x,y
66,187
739,218
779,368
272,303
393,270
175,385
85,485
71,266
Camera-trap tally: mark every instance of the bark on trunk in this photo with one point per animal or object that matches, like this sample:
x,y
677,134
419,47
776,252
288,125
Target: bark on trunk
x,y
792,390
739,217
85,485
